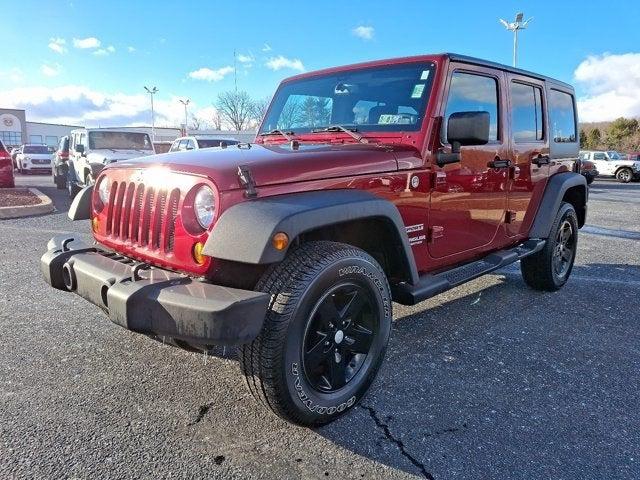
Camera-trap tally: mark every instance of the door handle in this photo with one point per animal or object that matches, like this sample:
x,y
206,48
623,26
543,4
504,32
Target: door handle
x,y
541,160
499,163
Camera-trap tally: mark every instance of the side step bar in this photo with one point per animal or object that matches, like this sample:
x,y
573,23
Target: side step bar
x,y
433,284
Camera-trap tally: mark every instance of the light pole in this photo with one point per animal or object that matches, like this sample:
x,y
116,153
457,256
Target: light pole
x,y
185,102
152,91
518,24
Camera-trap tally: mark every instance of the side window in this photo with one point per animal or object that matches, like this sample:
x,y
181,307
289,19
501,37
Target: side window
x,y
473,93
183,145
562,116
599,156
190,145
174,146
526,112
72,142
83,140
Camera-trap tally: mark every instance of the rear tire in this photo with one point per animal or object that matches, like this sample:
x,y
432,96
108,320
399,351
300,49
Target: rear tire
x,y
324,335
624,175
549,269
590,180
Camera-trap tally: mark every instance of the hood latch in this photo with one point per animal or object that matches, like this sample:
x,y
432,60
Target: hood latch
x,y
246,180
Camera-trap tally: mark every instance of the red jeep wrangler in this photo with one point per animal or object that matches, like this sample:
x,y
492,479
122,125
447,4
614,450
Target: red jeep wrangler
x,y
385,181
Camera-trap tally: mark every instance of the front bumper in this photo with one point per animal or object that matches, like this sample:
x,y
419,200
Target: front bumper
x,y
151,300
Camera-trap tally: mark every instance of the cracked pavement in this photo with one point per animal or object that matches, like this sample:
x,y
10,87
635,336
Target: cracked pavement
x,y
490,380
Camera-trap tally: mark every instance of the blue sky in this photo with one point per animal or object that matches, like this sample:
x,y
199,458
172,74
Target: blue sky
x,y
186,49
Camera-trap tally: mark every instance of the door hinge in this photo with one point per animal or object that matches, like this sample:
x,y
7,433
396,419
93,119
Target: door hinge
x,y
436,231
510,217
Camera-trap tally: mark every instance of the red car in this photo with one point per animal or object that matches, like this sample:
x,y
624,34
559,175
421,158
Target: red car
x,y
386,181
6,168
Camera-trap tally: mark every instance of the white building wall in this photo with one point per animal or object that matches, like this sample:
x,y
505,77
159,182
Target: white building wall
x,y
47,133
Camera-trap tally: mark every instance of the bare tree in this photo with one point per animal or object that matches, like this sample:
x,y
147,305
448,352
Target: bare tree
x,y
260,109
216,121
197,123
236,109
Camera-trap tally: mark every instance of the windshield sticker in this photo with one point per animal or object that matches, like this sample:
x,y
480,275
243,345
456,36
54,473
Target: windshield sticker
x,y
417,90
424,75
398,119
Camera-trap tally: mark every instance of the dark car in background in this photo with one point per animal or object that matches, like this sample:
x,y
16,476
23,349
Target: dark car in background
x,y
589,171
6,168
60,163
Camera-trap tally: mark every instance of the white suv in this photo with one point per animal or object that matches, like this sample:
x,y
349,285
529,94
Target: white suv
x,y
90,149
196,142
610,163
33,157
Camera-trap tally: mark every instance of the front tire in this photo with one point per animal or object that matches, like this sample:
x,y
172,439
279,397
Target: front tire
x,y
624,175
324,335
549,269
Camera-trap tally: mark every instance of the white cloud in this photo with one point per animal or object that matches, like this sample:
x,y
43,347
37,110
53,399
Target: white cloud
x,y
245,58
14,75
612,87
89,42
102,52
364,31
131,49
210,75
266,47
58,45
280,62
81,105
51,70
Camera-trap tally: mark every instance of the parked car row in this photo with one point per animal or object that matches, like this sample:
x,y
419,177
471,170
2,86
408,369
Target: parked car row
x,y
611,164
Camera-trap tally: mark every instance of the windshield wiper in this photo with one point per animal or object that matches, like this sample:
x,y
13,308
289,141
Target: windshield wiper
x,y
339,128
288,135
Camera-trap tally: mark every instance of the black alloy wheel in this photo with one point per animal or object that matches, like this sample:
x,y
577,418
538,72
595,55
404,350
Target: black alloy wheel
x,y
339,335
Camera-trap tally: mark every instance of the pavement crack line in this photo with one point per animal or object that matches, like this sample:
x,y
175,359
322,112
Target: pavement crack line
x,y
202,411
387,433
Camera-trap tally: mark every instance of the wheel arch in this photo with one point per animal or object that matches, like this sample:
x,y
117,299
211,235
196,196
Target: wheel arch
x,y
244,232
562,187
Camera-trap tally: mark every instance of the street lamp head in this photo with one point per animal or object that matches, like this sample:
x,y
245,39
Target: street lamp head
x,y
519,17
185,102
151,90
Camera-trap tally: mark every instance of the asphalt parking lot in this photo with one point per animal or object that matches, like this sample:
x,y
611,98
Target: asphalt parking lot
x,y
490,380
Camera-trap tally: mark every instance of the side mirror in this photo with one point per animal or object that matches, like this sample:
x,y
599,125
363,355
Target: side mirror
x,y
464,128
80,149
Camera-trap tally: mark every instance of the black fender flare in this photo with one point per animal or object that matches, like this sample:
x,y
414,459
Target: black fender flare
x,y
244,232
80,208
554,192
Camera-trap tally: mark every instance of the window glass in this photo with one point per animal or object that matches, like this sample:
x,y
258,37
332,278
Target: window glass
x,y
599,156
473,93
119,140
388,98
51,140
174,146
562,116
35,138
182,145
36,149
526,112
11,138
83,140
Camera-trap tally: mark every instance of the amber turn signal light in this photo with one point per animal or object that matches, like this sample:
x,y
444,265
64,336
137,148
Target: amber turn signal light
x,y
280,241
95,224
197,253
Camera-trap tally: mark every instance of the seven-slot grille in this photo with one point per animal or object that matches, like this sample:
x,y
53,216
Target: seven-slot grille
x,y
144,216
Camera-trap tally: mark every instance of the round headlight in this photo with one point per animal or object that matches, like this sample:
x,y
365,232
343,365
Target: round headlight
x,y
104,190
204,205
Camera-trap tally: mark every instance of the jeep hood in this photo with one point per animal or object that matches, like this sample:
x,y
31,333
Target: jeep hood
x,y
277,164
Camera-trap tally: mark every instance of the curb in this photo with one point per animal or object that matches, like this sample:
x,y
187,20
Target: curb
x,y
18,211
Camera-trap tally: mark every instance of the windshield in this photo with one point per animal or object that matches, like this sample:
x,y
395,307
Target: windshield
x,y
119,141
36,149
389,98
213,142
613,155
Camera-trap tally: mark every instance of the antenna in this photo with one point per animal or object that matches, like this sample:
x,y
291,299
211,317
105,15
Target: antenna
x,y
515,26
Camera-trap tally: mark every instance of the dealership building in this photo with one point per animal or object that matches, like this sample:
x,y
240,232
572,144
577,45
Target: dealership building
x,y
15,130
